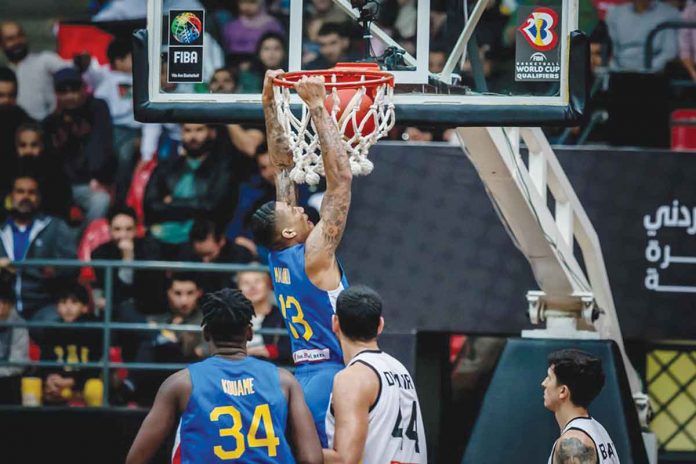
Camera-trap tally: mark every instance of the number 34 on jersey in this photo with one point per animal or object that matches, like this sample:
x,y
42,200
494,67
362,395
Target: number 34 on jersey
x,y
260,433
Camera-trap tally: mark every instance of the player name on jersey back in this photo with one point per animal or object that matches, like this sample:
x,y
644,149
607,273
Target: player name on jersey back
x,y
403,380
241,387
281,275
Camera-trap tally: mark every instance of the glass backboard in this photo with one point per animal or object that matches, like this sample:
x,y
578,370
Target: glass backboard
x,y
454,62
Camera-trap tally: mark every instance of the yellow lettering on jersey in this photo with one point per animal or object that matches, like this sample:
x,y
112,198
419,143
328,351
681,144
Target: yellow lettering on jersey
x,y
241,387
248,386
281,275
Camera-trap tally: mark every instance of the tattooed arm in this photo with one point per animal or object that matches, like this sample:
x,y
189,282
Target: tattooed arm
x,y
278,146
575,447
286,190
320,248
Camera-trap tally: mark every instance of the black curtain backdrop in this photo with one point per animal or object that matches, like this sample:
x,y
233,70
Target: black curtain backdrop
x,y
423,232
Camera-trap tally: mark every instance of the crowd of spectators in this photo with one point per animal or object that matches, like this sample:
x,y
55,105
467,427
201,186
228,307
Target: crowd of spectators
x,y
71,150
73,158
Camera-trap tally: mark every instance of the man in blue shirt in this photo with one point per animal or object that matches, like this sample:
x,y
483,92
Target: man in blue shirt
x,y
28,234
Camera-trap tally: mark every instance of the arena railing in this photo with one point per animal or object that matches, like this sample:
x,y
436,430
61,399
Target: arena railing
x,y
107,326
649,41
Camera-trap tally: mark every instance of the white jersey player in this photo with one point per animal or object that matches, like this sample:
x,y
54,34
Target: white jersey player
x,y
575,378
374,415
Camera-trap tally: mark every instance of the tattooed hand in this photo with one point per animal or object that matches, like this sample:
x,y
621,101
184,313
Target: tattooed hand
x,y
267,94
312,91
572,450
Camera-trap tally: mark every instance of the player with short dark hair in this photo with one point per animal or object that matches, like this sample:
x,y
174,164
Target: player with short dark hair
x,y
573,380
374,413
230,406
359,311
307,277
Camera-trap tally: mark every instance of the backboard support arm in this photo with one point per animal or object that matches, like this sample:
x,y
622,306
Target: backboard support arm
x,y
570,299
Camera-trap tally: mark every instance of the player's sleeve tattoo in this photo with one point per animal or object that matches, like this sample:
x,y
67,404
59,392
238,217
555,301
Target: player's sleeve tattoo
x,y
336,201
334,214
281,156
573,451
286,190
333,153
277,139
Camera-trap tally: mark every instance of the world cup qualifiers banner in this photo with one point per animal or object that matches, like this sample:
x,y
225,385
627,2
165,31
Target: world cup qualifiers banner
x,y
538,44
185,46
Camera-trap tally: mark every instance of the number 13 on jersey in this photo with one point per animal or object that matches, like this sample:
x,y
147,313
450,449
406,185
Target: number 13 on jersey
x,y
296,321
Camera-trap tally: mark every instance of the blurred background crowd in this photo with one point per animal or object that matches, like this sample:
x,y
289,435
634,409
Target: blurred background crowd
x,y
81,178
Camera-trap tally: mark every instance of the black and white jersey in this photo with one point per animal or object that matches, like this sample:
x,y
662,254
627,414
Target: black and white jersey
x,y
395,431
606,450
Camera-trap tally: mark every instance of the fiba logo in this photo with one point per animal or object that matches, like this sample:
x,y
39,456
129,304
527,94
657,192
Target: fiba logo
x,y
538,56
186,28
539,29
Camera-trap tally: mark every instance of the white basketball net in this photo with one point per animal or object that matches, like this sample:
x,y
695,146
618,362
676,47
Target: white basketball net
x,y
304,140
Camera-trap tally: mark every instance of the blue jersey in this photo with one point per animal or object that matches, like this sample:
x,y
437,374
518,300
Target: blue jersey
x,y
307,309
237,412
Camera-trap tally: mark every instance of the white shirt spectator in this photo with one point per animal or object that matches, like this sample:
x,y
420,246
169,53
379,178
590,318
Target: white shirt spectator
x,y
116,88
122,9
35,77
629,31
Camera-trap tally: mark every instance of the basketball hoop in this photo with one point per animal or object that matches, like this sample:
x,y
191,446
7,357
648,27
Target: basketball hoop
x,y
359,100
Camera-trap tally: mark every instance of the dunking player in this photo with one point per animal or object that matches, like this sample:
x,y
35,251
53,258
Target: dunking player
x,y
575,378
307,277
374,416
231,406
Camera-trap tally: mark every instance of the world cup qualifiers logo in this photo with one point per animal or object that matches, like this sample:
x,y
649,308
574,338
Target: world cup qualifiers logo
x,y
186,28
539,29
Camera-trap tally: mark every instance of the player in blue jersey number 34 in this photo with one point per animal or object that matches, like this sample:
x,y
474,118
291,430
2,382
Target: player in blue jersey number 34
x,y
231,407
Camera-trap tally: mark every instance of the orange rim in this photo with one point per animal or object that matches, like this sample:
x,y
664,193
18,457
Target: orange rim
x,y
373,78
